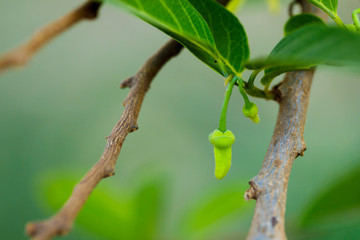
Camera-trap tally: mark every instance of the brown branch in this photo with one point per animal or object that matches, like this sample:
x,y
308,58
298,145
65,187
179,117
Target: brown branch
x,y
21,55
61,222
127,82
269,187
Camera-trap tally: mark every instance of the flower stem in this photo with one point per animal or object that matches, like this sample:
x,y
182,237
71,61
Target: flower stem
x,y
356,19
222,122
242,92
339,22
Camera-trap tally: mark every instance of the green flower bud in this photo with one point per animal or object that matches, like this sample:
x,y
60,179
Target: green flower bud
x,y
222,150
250,110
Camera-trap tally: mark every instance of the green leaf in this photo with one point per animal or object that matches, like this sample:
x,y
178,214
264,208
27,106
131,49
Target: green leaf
x,y
109,214
300,20
214,207
340,202
106,215
328,6
312,45
293,24
229,35
273,5
148,205
208,30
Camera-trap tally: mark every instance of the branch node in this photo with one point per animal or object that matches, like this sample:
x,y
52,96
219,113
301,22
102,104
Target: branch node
x,y
109,172
302,150
278,95
127,83
252,192
134,128
91,10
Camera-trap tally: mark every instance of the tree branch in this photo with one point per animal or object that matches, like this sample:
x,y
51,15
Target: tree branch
x,y
21,55
61,222
269,187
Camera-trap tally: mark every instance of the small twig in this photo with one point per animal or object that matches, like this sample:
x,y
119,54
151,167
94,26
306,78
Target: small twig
x,y
269,187
21,55
126,83
62,222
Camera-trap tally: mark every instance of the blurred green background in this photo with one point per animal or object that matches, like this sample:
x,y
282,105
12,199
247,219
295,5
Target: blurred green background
x,y
56,112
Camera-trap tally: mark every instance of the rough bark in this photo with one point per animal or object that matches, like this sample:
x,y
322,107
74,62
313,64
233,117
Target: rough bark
x,y
269,186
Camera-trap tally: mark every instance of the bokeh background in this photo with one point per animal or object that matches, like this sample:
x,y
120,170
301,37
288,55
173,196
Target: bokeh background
x,y
56,112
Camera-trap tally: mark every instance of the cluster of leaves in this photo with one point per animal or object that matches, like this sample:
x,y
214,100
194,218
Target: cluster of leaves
x,y
216,37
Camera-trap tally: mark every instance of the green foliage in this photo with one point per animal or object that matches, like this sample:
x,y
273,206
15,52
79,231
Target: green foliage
x,y
208,30
293,24
328,6
312,45
109,215
274,5
214,207
300,20
229,35
336,202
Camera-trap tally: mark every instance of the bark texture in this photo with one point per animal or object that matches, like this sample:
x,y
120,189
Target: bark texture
x,y
269,187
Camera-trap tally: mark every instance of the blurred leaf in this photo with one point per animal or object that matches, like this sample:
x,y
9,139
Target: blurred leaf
x,y
109,215
274,5
293,24
103,214
149,203
234,5
328,6
341,201
207,29
213,207
300,20
312,45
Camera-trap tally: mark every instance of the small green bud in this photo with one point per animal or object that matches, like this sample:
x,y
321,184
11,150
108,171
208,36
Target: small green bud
x,y
250,110
222,150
